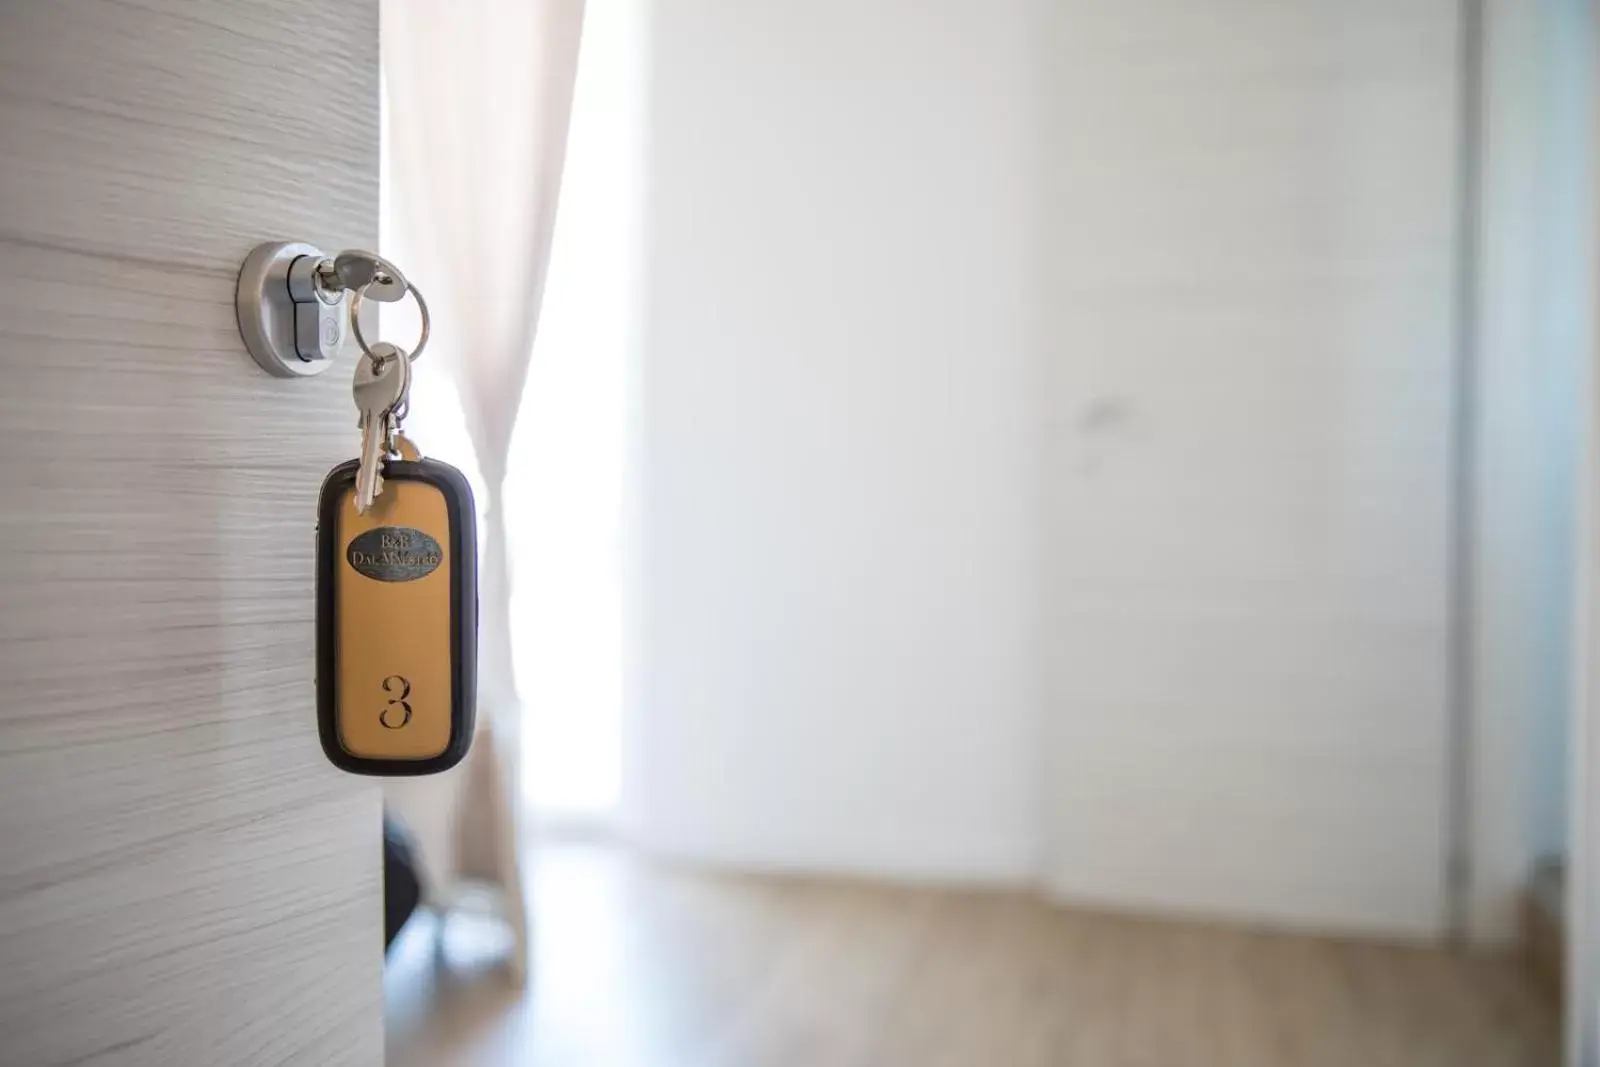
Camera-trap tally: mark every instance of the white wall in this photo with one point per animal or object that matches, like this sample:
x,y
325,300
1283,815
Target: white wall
x,y
1044,449
1251,227
1537,181
835,666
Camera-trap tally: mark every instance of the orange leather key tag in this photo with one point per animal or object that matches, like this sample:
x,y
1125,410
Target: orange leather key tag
x,y
397,620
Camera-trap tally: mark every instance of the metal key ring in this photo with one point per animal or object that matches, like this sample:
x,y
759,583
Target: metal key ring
x,y
358,294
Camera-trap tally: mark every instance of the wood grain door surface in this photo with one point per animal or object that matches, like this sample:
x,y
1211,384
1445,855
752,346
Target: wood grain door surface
x,y
185,880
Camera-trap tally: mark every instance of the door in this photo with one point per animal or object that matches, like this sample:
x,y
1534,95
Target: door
x,y
1251,268
186,881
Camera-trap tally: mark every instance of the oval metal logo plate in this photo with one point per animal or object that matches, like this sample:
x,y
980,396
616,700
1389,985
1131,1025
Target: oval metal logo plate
x,y
394,554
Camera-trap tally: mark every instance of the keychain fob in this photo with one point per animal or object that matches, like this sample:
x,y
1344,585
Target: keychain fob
x,y
397,619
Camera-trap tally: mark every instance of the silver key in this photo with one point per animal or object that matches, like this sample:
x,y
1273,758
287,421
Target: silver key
x,y
378,391
383,280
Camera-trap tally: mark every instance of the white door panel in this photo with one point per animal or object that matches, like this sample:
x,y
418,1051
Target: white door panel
x,y
1250,268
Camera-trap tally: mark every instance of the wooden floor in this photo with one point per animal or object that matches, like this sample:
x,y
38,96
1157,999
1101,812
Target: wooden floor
x,y
640,966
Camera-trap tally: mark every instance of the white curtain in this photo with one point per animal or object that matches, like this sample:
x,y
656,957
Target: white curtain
x,y
479,93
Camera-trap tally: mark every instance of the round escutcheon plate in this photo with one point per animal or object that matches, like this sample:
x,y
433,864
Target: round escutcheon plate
x,y
266,311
